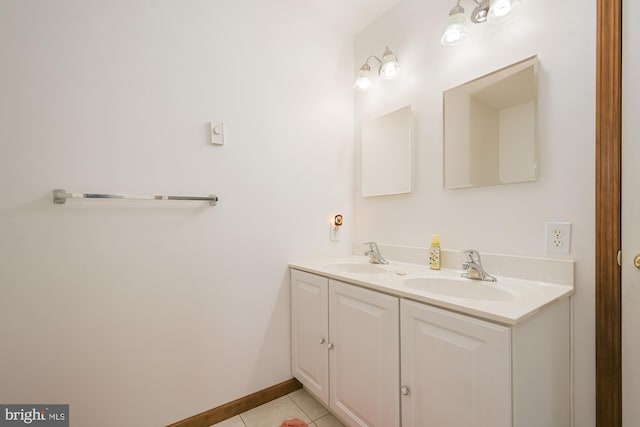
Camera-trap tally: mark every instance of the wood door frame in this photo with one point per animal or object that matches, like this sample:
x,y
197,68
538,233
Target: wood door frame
x,y
608,213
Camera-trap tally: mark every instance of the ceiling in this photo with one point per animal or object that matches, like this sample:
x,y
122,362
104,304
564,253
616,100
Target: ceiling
x,y
350,16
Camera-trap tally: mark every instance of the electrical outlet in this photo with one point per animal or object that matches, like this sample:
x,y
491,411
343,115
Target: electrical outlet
x,y
558,238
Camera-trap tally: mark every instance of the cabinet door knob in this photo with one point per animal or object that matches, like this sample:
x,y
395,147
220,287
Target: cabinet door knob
x,y
322,340
404,390
330,346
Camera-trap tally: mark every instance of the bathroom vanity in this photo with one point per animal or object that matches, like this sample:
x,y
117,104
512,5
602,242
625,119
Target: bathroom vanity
x,y
400,345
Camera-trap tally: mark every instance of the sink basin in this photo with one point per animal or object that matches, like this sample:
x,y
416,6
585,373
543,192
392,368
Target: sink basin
x,y
355,268
459,287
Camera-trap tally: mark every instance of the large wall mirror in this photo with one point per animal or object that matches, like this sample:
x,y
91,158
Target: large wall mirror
x,y
490,128
387,154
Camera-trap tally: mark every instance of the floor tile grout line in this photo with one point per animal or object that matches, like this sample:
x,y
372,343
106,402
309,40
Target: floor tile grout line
x,y
242,419
309,416
300,407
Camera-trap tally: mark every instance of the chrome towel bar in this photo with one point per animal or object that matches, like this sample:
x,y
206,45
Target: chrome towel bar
x,y
60,197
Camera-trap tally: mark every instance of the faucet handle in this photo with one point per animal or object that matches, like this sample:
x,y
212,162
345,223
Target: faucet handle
x,y
472,255
373,247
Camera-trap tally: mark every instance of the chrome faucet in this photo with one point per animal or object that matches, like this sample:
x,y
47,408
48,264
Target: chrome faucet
x,y
474,267
374,254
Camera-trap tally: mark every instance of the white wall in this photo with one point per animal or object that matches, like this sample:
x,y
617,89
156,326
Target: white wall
x,y
508,219
144,313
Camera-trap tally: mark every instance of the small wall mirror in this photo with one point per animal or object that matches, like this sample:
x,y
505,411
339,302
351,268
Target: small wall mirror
x,y
386,154
490,128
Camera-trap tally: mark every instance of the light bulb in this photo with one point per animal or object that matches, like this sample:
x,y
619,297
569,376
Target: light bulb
x,y
502,10
389,68
363,81
456,28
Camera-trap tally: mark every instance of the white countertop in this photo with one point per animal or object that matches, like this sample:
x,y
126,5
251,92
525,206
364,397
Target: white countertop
x,y
514,301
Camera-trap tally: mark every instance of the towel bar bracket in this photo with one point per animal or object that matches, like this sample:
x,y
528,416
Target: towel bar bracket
x,y
59,196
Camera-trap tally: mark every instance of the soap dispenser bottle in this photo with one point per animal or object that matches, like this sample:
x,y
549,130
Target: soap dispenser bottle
x,y
434,253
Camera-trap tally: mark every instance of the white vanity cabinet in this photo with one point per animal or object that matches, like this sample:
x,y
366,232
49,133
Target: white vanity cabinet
x,y
351,345
345,348
456,370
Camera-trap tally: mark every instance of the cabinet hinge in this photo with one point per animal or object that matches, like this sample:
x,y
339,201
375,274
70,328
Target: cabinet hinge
x,y
619,258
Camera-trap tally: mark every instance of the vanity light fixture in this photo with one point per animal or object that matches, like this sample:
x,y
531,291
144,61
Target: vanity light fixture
x,y
492,11
388,70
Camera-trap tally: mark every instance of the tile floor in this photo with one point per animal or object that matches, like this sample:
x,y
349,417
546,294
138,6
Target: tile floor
x,y
298,404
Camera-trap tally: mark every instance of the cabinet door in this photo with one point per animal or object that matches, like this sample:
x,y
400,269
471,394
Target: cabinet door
x,y
457,369
364,361
309,332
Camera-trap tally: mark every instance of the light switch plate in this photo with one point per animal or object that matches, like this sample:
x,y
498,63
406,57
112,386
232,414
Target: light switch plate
x,y
217,133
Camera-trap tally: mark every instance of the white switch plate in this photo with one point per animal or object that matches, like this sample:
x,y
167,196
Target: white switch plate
x,y
217,133
558,238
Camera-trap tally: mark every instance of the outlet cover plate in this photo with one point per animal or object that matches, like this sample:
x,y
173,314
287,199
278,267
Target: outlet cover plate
x,y
558,238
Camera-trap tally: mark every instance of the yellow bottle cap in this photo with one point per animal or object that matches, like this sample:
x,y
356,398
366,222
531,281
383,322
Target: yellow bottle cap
x,y
435,241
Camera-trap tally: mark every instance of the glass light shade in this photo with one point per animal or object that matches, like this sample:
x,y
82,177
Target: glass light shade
x,y
456,30
502,10
389,68
363,81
